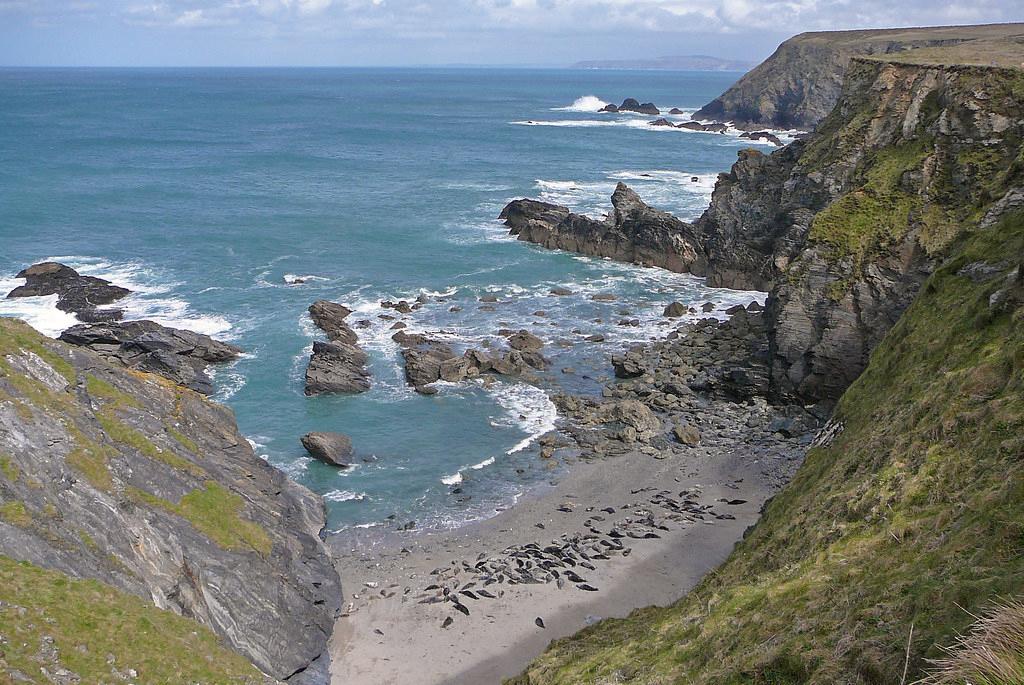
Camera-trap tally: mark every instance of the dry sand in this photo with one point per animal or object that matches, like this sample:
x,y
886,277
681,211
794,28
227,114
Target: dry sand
x,y
389,637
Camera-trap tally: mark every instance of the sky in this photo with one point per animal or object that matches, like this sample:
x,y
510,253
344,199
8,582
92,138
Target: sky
x,y
435,32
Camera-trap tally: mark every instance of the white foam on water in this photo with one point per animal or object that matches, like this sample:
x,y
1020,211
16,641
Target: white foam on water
x,y
587,103
485,463
344,496
453,479
147,285
299,279
529,408
40,313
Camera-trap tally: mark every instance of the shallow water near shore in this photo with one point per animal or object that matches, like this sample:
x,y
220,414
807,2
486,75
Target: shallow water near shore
x,y
211,193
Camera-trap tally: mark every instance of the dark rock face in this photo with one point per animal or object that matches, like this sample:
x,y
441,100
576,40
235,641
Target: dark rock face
x,y
340,365
524,340
675,310
423,361
336,367
802,81
150,488
766,136
633,232
662,122
633,105
330,318
786,222
180,356
80,295
331,448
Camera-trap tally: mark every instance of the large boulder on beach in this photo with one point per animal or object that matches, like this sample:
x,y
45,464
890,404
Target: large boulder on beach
x,y
330,318
336,367
629,365
179,355
77,294
638,422
331,448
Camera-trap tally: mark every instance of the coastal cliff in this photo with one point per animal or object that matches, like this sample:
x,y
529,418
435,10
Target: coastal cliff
x,y
137,487
801,82
892,242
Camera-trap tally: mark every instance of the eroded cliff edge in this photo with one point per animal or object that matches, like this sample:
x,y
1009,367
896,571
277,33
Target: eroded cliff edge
x,y
126,478
801,82
841,227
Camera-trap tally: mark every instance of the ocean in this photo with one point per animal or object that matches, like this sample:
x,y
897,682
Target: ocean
x,y
208,192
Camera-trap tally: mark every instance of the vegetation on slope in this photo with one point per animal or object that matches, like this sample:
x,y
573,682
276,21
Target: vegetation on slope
x,y
913,516
52,627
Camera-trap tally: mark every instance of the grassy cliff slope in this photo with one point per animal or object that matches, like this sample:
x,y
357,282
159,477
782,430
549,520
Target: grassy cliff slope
x,y
911,516
54,628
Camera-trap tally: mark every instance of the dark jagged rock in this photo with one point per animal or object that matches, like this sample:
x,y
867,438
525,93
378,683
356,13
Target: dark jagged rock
x,y
337,367
180,356
331,448
524,340
675,310
78,294
691,125
784,222
633,232
662,122
633,105
676,110
151,489
424,358
609,108
330,318
766,136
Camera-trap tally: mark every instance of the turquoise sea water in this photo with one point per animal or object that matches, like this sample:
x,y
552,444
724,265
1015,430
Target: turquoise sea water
x,y
206,191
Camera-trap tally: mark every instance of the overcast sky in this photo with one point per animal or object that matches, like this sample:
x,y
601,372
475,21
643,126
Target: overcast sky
x,y
419,32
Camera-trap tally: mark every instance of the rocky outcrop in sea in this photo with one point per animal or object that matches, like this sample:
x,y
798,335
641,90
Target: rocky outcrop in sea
x,y
87,297
178,355
337,366
633,232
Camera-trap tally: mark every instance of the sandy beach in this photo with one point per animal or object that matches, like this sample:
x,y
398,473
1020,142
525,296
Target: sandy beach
x,y
397,631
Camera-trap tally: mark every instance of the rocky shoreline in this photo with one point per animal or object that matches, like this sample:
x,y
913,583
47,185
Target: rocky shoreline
x,y
676,452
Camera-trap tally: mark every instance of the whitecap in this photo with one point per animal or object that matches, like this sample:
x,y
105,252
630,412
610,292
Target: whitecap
x,y
344,496
453,479
587,103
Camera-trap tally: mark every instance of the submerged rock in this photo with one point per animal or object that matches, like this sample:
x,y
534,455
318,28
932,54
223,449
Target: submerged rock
x,y
77,294
180,356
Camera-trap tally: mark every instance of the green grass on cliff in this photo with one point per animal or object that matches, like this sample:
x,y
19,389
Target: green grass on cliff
x,y
49,621
912,518
216,513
